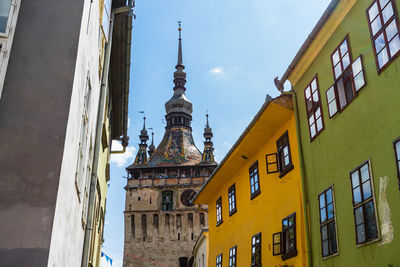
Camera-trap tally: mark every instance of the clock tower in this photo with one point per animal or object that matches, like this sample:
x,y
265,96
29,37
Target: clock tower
x,y
161,223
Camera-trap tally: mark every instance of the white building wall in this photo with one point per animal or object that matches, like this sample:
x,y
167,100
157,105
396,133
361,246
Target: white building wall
x,y
68,232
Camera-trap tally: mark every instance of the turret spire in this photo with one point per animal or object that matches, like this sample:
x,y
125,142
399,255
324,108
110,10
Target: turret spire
x,y
180,62
141,156
152,146
208,155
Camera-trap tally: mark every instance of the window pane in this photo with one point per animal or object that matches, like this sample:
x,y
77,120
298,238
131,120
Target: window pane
x,y
383,58
329,198
359,81
330,94
373,12
322,201
319,124
360,233
4,11
359,215
364,173
324,232
330,211
332,237
323,215
341,93
357,66
346,61
398,150
376,25
394,45
314,85
357,195
367,190
391,30
380,42
315,97
369,211
372,232
313,130
335,57
355,179
332,108
308,92
387,12
383,3
338,70
343,48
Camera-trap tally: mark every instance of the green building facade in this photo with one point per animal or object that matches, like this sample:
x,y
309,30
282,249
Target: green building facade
x,y
346,79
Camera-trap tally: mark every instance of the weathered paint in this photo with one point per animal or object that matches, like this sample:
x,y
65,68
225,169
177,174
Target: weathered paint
x,y
279,198
364,130
385,214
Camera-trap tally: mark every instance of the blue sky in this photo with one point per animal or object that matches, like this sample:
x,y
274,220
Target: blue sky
x,y
232,50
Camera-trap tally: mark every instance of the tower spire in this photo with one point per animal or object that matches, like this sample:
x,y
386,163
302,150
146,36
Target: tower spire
x,y
180,62
180,75
152,146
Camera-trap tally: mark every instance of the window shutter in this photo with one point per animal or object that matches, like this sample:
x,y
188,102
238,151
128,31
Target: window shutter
x,y
277,244
358,74
272,163
332,103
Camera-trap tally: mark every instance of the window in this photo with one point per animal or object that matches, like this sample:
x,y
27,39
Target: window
x,y
8,19
219,211
167,200
256,250
284,157
232,257
384,29
289,237
254,181
232,199
349,78
396,146
313,108
363,204
219,260
277,244
327,223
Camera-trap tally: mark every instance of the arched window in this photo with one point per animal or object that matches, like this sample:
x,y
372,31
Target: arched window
x,y
167,200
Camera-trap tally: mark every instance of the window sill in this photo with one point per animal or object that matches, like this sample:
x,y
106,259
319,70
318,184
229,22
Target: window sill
x,y
289,255
255,194
286,171
330,256
219,223
368,242
232,212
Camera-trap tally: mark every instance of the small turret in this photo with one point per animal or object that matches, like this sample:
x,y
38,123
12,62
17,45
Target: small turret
x,y
208,155
141,156
152,146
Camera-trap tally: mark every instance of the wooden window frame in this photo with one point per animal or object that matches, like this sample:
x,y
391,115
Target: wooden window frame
x,y
254,247
252,176
277,243
397,158
233,256
281,143
286,253
219,211
363,203
347,76
232,200
272,162
328,221
314,108
373,37
219,260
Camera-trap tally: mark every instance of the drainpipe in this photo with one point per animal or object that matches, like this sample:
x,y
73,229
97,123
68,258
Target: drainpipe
x,y
303,178
100,112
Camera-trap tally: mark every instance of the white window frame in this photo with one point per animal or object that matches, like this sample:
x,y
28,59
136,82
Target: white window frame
x,y
6,40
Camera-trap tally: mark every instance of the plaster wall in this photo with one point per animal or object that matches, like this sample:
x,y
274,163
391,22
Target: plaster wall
x,y
279,198
34,109
69,219
201,251
364,130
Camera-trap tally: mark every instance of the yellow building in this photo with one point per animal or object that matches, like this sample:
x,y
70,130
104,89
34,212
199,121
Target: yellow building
x,y
255,196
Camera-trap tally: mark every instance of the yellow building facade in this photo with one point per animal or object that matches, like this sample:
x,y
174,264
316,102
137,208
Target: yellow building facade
x,y
255,196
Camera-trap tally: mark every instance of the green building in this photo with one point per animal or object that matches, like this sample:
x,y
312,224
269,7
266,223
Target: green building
x,y
346,80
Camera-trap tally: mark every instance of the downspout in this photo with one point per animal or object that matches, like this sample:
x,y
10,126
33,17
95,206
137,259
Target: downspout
x,y
100,112
303,178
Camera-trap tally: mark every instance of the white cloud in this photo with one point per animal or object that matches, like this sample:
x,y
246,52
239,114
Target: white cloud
x,y
217,70
122,159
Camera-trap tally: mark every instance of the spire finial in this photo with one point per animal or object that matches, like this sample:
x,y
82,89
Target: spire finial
x,y
207,118
180,62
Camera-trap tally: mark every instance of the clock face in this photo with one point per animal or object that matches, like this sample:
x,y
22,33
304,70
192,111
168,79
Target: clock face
x,y
187,196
